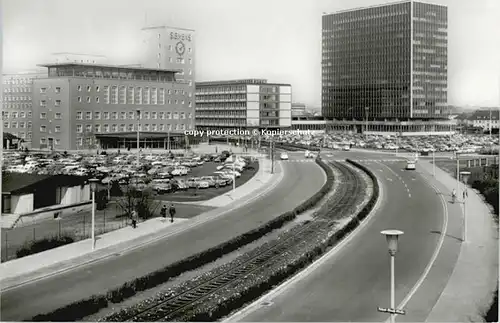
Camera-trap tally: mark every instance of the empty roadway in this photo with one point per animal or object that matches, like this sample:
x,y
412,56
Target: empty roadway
x,y
352,283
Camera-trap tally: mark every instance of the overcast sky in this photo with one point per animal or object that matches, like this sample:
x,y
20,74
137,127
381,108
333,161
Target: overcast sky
x,y
275,39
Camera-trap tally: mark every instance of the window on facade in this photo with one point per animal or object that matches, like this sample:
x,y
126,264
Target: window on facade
x,y
122,128
57,103
114,115
161,99
57,142
88,115
190,116
153,115
58,89
162,127
13,125
97,88
43,90
161,115
146,127
88,128
130,95
114,128
79,87
154,96
43,140
43,103
97,128
146,115
138,95
123,95
169,115
106,91
131,115
106,128
176,115
57,129
6,124
97,115
43,115
43,128
79,99
22,124
145,98
106,115
130,127
123,115
183,115
114,95
14,115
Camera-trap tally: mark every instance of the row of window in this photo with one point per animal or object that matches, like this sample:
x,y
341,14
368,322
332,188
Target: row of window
x,y
17,90
19,81
16,98
23,135
15,114
221,89
15,124
124,115
97,128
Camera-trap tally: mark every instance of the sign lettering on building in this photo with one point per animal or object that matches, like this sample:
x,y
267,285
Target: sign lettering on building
x,y
179,36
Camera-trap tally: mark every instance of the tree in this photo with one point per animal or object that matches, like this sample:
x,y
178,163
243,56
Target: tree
x,y
141,201
115,189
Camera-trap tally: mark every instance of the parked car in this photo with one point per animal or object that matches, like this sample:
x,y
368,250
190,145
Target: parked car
x,y
179,184
284,156
163,188
199,183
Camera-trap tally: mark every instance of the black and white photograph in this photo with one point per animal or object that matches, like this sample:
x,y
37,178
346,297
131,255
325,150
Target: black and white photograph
x,y
250,161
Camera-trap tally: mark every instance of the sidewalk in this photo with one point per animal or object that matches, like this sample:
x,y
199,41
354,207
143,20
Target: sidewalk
x,y
19,271
470,288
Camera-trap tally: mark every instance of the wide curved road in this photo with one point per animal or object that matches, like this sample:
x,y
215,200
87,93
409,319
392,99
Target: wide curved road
x,y
302,180
352,283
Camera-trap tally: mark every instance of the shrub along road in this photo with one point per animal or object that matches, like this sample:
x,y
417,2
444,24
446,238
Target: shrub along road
x,y
355,281
302,180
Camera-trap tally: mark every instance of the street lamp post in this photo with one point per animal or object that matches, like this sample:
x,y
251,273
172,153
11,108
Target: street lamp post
x,y
465,178
138,133
458,172
93,187
392,242
366,118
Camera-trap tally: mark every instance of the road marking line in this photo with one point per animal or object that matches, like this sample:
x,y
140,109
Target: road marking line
x,y
252,307
444,230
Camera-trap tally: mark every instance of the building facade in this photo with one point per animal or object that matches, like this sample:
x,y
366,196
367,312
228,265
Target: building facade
x,y
485,119
386,62
251,103
170,48
17,110
78,102
298,109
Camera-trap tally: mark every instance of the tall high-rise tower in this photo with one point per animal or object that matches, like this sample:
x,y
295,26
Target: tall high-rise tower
x,y
172,48
386,61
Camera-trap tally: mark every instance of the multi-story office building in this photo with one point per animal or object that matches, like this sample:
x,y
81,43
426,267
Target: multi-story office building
x,y
171,48
387,62
79,106
251,103
17,108
298,109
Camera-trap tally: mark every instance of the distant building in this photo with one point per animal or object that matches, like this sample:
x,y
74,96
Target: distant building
x,y
485,119
298,109
387,63
17,104
248,103
83,106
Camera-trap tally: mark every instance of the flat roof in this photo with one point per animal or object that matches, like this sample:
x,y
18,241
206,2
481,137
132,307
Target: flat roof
x,y
240,81
79,54
142,135
164,26
382,5
68,64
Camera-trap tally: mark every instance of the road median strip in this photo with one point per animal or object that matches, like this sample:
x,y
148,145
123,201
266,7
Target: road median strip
x,y
80,309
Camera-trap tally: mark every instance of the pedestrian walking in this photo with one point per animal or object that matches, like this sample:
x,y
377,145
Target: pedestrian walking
x,y
163,211
134,219
172,212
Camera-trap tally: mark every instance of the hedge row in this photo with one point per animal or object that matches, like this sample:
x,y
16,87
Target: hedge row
x,y
226,304
91,306
43,245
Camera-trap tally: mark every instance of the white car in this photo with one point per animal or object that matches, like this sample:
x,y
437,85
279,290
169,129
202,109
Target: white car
x,y
284,156
347,148
411,165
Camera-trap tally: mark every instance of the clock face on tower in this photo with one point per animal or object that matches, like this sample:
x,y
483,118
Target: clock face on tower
x,y
180,48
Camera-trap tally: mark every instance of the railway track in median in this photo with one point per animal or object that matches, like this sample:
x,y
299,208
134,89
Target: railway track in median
x,y
171,307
